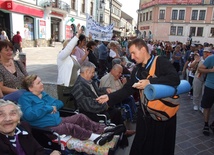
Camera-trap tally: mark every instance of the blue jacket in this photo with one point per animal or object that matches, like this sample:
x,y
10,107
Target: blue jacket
x,y
103,52
37,111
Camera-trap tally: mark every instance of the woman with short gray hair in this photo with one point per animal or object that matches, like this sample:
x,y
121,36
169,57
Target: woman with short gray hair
x,y
15,137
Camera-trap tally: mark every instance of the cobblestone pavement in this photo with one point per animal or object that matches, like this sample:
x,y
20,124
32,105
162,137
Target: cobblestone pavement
x,y
189,137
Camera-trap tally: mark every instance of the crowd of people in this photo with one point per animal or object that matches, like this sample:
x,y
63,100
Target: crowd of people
x,y
194,63
100,75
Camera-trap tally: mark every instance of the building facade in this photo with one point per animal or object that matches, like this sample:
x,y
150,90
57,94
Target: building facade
x,y
42,21
172,20
127,25
110,13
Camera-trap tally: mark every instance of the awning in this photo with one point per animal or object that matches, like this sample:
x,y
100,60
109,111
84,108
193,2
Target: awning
x,y
20,8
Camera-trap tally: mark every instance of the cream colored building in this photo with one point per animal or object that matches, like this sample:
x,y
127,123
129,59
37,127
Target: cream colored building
x,y
40,21
177,20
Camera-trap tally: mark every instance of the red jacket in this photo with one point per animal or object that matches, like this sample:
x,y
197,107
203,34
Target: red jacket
x,y
17,38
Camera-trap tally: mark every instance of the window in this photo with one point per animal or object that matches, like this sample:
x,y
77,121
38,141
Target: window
x,y
200,31
147,16
83,6
73,4
213,16
181,14
173,30
144,17
212,2
112,9
202,14
144,34
141,17
212,32
194,14
91,9
28,28
150,35
192,31
150,15
116,12
176,30
162,14
180,31
101,18
174,14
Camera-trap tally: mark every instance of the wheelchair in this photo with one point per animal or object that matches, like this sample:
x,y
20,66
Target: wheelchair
x,y
102,118
128,109
51,140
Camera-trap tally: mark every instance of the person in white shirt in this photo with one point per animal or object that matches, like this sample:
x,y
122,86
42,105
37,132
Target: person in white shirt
x,y
150,47
68,70
4,36
113,49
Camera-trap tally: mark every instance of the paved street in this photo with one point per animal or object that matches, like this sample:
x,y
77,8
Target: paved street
x,y
42,61
189,141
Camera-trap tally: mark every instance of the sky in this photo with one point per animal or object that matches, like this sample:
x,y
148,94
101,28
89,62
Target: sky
x,y
130,7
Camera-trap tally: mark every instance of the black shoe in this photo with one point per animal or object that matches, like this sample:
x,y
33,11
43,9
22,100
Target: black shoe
x,y
104,138
117,130
206,131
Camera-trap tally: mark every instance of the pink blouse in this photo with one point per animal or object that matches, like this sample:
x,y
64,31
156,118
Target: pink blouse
x,y
79,53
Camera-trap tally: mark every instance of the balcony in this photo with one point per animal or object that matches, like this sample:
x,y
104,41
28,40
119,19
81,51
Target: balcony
x,y
53,4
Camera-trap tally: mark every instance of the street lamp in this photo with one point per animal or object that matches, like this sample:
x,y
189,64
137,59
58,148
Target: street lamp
x,y
102,3
138,20
110,6
137,31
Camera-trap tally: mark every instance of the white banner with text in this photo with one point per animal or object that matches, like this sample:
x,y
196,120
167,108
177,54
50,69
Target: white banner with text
x,y
98,31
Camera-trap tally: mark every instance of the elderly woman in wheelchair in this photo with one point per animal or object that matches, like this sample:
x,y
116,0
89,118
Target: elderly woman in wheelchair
x,y
16,137
41,110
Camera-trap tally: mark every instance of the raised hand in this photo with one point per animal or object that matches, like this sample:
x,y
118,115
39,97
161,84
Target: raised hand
x,y
79,30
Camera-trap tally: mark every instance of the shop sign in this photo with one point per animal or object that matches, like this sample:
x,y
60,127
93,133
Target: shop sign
x,y
144,27
72,19
149,3
42,29
9,5
68,32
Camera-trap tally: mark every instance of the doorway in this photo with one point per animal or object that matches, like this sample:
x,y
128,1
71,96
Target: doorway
x,y
5,24
55,28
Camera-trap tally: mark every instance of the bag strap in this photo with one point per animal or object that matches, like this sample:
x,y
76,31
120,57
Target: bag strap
x,y
16,61
151,74
152,68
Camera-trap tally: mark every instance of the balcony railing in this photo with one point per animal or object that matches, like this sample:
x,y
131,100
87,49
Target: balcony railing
x,y
60,5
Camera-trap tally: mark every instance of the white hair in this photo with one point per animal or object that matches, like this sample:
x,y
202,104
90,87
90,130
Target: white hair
x,y
7,102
